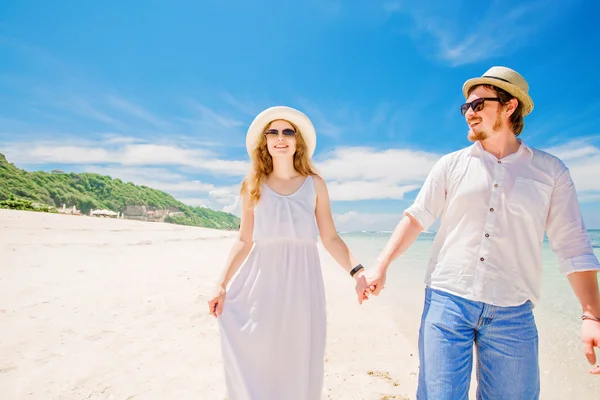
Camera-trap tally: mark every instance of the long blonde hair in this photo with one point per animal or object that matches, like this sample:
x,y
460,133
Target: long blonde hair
x,y
262,163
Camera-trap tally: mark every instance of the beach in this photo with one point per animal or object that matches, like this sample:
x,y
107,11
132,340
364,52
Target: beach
x,y
95,308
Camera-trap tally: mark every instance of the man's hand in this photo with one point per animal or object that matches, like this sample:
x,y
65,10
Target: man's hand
x,y
590,336
376,281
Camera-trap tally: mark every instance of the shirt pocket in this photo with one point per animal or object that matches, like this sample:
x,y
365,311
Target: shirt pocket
x,y
530,199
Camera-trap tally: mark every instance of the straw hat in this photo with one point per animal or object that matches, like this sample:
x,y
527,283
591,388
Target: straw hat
x,y
307,130
506,79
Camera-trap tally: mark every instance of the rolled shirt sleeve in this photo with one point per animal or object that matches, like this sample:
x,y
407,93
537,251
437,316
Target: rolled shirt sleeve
x,y
429,203
566,230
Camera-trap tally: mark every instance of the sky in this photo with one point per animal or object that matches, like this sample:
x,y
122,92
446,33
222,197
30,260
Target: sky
x,y
161,93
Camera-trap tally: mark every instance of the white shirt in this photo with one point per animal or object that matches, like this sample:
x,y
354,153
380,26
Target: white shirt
x,y
493,217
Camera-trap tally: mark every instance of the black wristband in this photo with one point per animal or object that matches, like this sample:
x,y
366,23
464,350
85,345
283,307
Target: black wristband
x,y
356,269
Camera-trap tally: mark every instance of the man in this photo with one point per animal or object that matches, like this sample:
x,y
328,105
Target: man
x,y
495,199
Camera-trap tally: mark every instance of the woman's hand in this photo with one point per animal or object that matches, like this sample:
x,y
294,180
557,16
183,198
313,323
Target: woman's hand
x,y
215,305
361,288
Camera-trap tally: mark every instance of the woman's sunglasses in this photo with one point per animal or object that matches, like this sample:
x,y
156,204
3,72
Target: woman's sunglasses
x,y
273,133
477,104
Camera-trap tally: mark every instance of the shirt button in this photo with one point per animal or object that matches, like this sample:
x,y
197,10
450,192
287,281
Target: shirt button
x,y
491,210
495,185
499,162
487,235
481,259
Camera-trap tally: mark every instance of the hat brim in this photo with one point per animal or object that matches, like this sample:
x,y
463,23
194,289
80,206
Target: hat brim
x,y
298,118
522,96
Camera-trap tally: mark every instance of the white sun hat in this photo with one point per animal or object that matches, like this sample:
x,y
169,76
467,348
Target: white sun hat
x,y
506,79
298,118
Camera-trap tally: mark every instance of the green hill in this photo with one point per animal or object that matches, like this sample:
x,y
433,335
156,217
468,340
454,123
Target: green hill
x,y
92,191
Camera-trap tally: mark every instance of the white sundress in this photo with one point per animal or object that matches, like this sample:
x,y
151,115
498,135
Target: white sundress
x,y
273,325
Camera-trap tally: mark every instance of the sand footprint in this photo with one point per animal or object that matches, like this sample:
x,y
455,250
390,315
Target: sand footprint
x,y
385,375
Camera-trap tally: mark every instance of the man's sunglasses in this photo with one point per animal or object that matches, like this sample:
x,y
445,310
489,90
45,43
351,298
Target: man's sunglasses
x,y
477,104
273,133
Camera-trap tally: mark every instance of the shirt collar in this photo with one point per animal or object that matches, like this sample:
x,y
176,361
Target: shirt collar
x,y
525,148
477,148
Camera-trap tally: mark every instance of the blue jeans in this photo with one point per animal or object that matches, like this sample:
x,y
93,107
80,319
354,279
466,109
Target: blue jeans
x,y
506,341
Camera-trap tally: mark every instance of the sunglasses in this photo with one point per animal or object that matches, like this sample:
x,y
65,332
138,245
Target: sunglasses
x,y
273,133
477,104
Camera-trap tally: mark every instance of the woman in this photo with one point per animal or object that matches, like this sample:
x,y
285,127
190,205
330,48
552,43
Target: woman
x,y
272,319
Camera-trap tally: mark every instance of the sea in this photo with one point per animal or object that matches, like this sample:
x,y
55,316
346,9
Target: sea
x,y
563,367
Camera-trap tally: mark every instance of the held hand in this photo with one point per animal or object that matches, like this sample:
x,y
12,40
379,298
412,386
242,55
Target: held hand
x,y
590,336
376,281
215,304
361,287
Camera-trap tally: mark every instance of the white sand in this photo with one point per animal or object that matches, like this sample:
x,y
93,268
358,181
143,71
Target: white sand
x,y
115,309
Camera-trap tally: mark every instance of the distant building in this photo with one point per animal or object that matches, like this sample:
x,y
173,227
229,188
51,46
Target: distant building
x,y
71,210
58,171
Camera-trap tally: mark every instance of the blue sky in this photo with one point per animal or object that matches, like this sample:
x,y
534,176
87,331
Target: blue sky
x,y
161,93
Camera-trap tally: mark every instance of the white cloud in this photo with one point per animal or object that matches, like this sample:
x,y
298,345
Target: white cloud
x,y
112,138
362,173
228,198
138,175
364,190
130,154
156,154
155,178
352,173
167,179
242,106
233,208
188,191
461,35
83,108
573,150
60,154
391,165
323,122
69,100
192,201
194,186
229,167
354,221
137,111
211,118
222,194
583,160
